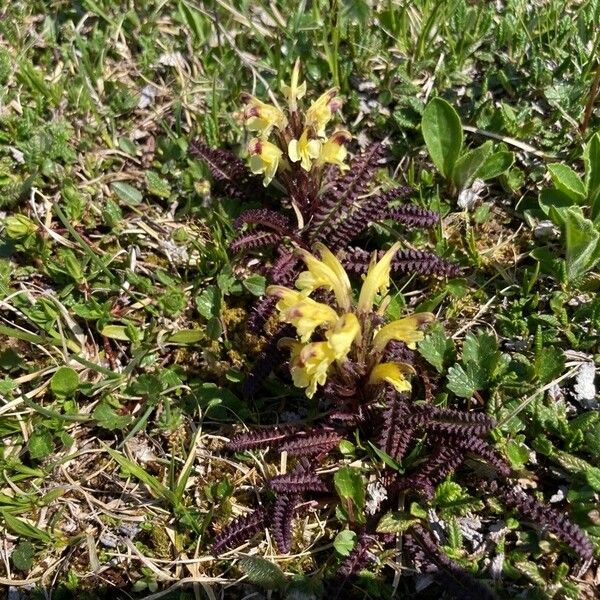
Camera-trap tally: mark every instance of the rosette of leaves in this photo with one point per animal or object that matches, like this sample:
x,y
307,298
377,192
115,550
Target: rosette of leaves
x,y
381,429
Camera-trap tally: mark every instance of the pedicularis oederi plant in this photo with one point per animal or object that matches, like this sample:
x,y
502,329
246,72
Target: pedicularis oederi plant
x,y
314,192
369,381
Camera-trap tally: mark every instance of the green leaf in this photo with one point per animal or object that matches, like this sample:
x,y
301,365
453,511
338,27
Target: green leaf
x,y
517,454
455,538
115,332
582,241
255,284
186,336
468,165
209,302
40,444
131,468
64,382
448,492
463,383
262,572
591,161
549,364
108,418
22,556
127,193
344,542
396,522
567,181
592,475
443,135
436,348
157,186
495,164
550,197
386,458
24,528
350,487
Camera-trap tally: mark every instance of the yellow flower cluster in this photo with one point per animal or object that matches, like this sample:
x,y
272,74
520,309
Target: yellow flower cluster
x,y
297,140
348,330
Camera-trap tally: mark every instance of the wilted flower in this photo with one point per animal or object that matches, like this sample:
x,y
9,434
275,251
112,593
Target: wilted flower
x,y
349,335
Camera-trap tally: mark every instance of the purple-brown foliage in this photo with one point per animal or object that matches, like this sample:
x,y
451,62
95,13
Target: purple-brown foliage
x,y
427,557
239,531
281,521
542,514
229,172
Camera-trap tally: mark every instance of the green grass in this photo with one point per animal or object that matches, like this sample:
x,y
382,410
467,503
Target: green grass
x,y
122,339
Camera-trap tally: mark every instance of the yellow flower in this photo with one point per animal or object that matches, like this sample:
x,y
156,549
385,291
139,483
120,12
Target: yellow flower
x,y
294,92
262,117
304,150
311,366
393,373
327,272
404,330
333,150
321,110
377,279
343,334
301,311
264,158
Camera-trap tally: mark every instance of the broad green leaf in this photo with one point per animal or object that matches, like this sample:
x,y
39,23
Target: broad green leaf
x,y
480,350
567,181
344,542
156,185
592,475
255,284
517,454
186,336
551,197
349,485
396,522
495,164
467,166
108,418
24,528
127,193
582,241
22,555
448,492
64,382
209,302
443,135
40,444
464,384
436,348
262,572
115,332
549,364
591,160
